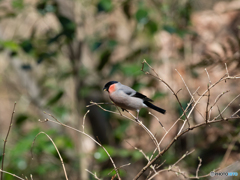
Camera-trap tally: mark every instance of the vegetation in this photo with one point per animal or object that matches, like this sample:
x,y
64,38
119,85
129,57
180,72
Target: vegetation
x,y
56,56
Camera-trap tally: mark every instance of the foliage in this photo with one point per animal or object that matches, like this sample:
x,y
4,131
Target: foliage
x,y
69,65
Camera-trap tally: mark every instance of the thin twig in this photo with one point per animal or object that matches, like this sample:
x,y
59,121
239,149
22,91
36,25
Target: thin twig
x,y
99,104
229,150
228,105
141,151
158,121
5,141
199,165
208,99
11,174
235,113
215,102
210,82
186,85
164,137
120,167
94,174
186,154
226,69
64,169
84,117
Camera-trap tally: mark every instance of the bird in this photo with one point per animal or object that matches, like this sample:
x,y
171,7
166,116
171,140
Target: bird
x,y
129,99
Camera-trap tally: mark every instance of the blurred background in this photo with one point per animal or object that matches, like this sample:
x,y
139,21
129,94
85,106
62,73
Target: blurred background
x,y
56,56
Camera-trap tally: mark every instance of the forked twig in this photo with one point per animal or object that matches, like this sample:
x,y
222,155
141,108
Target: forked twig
x,y
166,84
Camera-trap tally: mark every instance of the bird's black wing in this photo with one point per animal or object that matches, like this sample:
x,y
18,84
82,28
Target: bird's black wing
x,y
141,96
131,92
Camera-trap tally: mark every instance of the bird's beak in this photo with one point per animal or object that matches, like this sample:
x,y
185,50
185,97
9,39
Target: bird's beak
x,y
104,89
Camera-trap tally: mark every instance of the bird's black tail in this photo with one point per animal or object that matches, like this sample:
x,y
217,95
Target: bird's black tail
x,y
150,105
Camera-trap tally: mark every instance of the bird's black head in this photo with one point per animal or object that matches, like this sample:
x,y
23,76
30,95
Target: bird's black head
x,y
106,87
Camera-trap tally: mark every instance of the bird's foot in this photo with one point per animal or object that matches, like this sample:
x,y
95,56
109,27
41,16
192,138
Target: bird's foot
x,y
125,110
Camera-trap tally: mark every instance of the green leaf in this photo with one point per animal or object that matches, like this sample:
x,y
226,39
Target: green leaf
x,y
105,5
21,118
18,4
114,69
158,95
152,27
55,98
137,155
122,128
26,45
142,16
10,45
104,58
169,29
60,111
131,70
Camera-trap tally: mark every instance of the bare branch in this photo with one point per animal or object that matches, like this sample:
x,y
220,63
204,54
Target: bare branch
x,y
228,105
175,139
94,174
147,130
120,167
227,70
186,86
58,122
210,82
197,101
11,174
215,102
5,140
199,165
229,150
134,120
208,99
172,166
166,84
64,169
141,151
84,117
157,120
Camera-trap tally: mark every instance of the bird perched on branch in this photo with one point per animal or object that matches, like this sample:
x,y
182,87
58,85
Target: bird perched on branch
x,y
129,99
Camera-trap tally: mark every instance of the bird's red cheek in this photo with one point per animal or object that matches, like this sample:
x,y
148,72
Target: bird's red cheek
x,y
111,88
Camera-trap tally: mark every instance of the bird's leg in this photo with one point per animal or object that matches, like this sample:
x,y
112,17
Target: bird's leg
x,y
137,115
123,110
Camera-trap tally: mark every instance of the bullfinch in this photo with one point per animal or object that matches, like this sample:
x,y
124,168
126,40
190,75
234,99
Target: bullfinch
x,y
127,98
